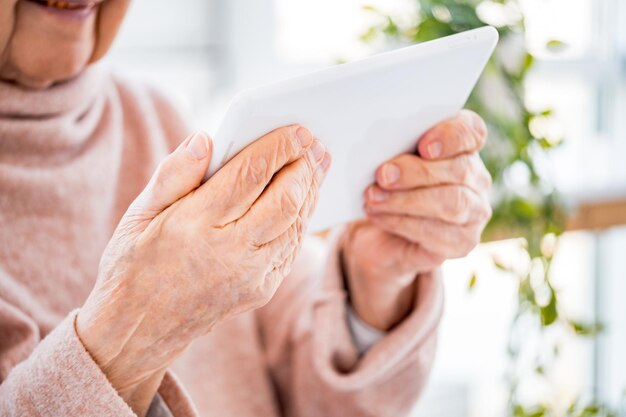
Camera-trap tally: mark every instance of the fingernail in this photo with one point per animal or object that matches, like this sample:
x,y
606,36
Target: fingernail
x,y
304,136
318,150
198,146
434,149
378,195
391,173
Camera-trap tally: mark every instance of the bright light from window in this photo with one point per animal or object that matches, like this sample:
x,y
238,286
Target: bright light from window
x,y
569,21
325,31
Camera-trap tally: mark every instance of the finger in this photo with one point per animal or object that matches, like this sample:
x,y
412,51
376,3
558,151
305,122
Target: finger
x,y
274,278
436,236
416,257
464,133
453,204
177,175
282,202
247,174
408,258
280,246
284,249
407,172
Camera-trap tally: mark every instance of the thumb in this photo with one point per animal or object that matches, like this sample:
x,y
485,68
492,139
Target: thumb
x,y
178,174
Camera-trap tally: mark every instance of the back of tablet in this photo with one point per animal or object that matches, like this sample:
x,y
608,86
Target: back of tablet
x,y
364,112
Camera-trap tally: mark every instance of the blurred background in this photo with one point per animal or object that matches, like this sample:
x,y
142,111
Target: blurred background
x,y
562,359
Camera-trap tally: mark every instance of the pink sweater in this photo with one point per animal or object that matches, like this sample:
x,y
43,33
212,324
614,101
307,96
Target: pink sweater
x,y
72,158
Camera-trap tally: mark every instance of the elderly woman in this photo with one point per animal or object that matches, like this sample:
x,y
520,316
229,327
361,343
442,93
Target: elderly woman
x,y
195,281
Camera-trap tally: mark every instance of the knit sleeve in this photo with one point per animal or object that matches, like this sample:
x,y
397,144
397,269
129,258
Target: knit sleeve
x,y
59,377
313,358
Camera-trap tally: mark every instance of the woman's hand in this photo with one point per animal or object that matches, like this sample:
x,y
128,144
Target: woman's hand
x,y
421,211
188,256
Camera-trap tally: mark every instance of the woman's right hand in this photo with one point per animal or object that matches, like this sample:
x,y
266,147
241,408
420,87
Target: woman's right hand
x,y
187,256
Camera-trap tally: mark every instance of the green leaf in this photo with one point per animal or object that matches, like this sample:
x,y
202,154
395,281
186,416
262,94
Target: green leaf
x,y
391,28
526,292
500,265
519,410
556,45
586,329
524,209
430,29
371,34
549,312
472,282
527,64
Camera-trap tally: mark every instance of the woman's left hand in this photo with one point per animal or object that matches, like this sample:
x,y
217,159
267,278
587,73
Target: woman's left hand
x,y
421,211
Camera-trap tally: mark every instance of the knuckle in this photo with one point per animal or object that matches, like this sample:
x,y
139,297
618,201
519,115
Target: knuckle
x,y
293,236
290,240
289,201
457,170
463,169
255,170
266,289
300,228
281,154
286,137
417,228
434,260
165,167
311,203
458,202
415,168
165,170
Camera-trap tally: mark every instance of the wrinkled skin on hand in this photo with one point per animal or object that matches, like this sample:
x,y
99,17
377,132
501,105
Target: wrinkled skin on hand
x,y
188,256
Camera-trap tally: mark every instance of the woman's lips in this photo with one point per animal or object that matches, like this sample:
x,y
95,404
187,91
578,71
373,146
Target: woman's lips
x,y
74,10
68,5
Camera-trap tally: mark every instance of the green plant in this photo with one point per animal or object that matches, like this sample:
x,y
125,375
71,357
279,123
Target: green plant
x,y
525,203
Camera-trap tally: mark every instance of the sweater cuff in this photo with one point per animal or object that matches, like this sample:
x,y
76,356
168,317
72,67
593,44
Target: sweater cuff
x,y
337,357
61,379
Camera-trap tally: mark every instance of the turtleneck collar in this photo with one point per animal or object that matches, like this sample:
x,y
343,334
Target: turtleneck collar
x,y
46,124
77,93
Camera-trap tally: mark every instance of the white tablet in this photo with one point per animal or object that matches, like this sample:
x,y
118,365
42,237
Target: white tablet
x,y
365,112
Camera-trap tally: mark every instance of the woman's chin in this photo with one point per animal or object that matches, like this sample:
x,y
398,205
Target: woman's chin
x,y
57,48
38,83
42,77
